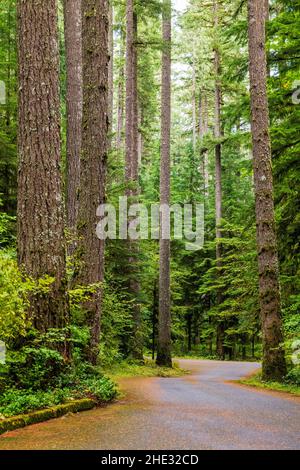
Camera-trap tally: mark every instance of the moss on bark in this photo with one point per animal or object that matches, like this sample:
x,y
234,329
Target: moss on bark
x,y
34,417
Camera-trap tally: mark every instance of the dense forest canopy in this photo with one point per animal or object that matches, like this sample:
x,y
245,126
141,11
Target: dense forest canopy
x,y
161,102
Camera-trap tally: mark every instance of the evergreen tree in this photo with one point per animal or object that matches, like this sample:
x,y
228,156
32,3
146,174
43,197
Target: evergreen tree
x,y
274,367
40,202
93,161
164,314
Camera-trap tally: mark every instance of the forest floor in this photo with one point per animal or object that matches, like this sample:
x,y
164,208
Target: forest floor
x,y
148,369
254,380
202,410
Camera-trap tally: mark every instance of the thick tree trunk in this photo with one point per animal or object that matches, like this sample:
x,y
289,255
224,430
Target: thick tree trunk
x,y
218,180
95,124
72,15
41,244
164,318
274,367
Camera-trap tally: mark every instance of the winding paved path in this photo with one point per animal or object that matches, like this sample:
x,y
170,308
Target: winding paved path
x,y
200,411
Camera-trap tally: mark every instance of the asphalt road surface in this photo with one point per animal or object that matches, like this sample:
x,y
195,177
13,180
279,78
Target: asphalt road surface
x,y
203,410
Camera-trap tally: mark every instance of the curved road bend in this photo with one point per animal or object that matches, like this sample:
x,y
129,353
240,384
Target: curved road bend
x,y
202,410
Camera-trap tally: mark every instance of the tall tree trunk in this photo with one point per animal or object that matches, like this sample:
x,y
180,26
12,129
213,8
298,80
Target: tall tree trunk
x,y
95,125
111,67
135,108
267,16
267,10
194,101
73,24
129,90
218,166
8,77
206,162
274,367
154,315
201,116
203,130
41,244
131,171
140,138
6,203
120,112
189,331
164,318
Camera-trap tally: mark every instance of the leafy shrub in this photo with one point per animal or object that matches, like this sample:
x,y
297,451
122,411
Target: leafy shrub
x,y
88,381
17,401
36,368
14,401
116,322
13,301
7,229
293,376
38,388
101,389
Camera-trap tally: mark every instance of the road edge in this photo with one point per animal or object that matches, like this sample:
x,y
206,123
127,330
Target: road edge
x,y
21,421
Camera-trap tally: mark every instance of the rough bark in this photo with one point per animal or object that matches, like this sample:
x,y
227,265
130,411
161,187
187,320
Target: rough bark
x,y
111,67
95,124
8,70
41,244
274,367
267,10
73,24
164,318
5,191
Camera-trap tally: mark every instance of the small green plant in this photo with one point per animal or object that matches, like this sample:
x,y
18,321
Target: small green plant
x,y
13,299
35,368
293,376
289,385
14,401
7,229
